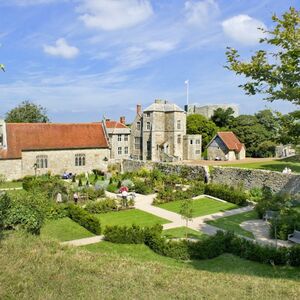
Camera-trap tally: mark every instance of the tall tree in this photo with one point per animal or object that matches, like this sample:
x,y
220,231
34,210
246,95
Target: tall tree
x,y
222,117
275,73
198,124
27,112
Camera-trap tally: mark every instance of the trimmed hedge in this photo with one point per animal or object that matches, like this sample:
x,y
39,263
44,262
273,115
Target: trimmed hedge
x,y
83,218
207,248
101,206
226,193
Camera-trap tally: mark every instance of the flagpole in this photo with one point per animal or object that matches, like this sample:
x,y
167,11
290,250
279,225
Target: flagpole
x,y
187,91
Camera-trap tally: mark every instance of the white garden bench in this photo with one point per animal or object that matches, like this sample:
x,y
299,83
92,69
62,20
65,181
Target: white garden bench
x,y
294,237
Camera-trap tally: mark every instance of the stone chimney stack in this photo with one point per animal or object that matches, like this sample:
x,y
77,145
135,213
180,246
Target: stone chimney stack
x,y
139,109
122,120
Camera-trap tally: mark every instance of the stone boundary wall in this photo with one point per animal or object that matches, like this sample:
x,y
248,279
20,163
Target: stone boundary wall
x,y
190,172
251,178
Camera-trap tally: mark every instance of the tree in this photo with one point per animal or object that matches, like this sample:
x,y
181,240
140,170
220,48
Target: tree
x,y
250,132
2,67
289,131
27,112
186,212
275,73
198,124
222,117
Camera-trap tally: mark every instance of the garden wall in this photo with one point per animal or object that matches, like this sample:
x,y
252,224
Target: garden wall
x,y
250,178
190,172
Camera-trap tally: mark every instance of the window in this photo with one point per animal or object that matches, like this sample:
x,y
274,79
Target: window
x,y
148,126
198,142
191,142
198,152
178,139
138,125
126,150
178,124
79,160
137,143
119,137
147,114
42,161
126,138
120,150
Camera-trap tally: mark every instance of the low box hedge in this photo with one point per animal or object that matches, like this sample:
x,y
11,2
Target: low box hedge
x,y
83,218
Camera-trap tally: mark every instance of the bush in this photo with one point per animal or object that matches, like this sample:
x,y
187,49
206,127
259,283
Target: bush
x,y
83,218
101,206
93,193
143,187
2,178
57,211
294,256
224,192
5,205
112,187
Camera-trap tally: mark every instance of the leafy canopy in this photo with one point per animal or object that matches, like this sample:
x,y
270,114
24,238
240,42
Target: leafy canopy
x,y
276,74
27,112
222,117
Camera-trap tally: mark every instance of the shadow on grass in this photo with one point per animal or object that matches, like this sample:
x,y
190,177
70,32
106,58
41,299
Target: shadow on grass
x,y
230,264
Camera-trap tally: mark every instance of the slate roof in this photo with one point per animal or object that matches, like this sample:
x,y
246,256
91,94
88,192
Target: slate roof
x,y
50,136
164,106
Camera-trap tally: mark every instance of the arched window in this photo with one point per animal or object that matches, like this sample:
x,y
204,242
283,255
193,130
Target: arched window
x,y
42,161
79,160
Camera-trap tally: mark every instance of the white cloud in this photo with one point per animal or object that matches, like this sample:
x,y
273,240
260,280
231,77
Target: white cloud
x,y
201,12
114,14
244,29
161,46
62,49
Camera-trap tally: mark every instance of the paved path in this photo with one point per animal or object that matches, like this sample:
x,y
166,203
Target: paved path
x,y
260,230
85,241
10,189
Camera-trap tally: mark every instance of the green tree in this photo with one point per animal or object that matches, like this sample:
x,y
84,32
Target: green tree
x,y
250,132
222,117
198,124
275,73
289,131
186,212
27,112
2,67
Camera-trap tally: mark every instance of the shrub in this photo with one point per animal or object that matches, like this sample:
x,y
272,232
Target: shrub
x,y
2,178
143,187
128,183
101,185
112,187
226,193
93,193
101,206
57,211
83,218
5,205
294,256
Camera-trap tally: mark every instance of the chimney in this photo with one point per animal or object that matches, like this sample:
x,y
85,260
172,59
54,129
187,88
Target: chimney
x,y
122,120
139,109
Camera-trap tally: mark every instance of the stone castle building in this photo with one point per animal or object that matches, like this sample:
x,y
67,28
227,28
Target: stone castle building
x,y
208,110
157,134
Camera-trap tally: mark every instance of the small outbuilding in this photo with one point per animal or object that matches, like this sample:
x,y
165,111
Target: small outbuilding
x,y
226,146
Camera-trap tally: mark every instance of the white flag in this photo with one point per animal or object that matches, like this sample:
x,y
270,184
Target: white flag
x,y
186,82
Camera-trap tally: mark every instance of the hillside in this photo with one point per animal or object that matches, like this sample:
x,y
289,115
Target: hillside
x,y
36,269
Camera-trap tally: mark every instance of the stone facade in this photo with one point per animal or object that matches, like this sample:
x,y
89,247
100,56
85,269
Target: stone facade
x,y
159,134
60,161
208,110
11,168
192,146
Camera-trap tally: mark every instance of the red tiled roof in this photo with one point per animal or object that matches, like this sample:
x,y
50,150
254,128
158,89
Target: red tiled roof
x,y
230,140
47,136
114,124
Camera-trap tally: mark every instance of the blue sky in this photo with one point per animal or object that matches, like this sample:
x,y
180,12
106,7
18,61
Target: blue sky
x,y
82,59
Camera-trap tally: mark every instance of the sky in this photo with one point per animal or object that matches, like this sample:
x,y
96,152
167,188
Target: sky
x,y
85,59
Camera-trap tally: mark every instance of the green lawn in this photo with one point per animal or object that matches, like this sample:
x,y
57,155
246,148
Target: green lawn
x,y
11,185
201,207
274,165
64,230
129,217
180,232
232,223
34,268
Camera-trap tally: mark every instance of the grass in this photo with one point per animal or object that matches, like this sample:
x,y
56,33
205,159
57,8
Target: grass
x,y
129,217
64,230
32,268
180,232
11,185
232,223
201,207
274,165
